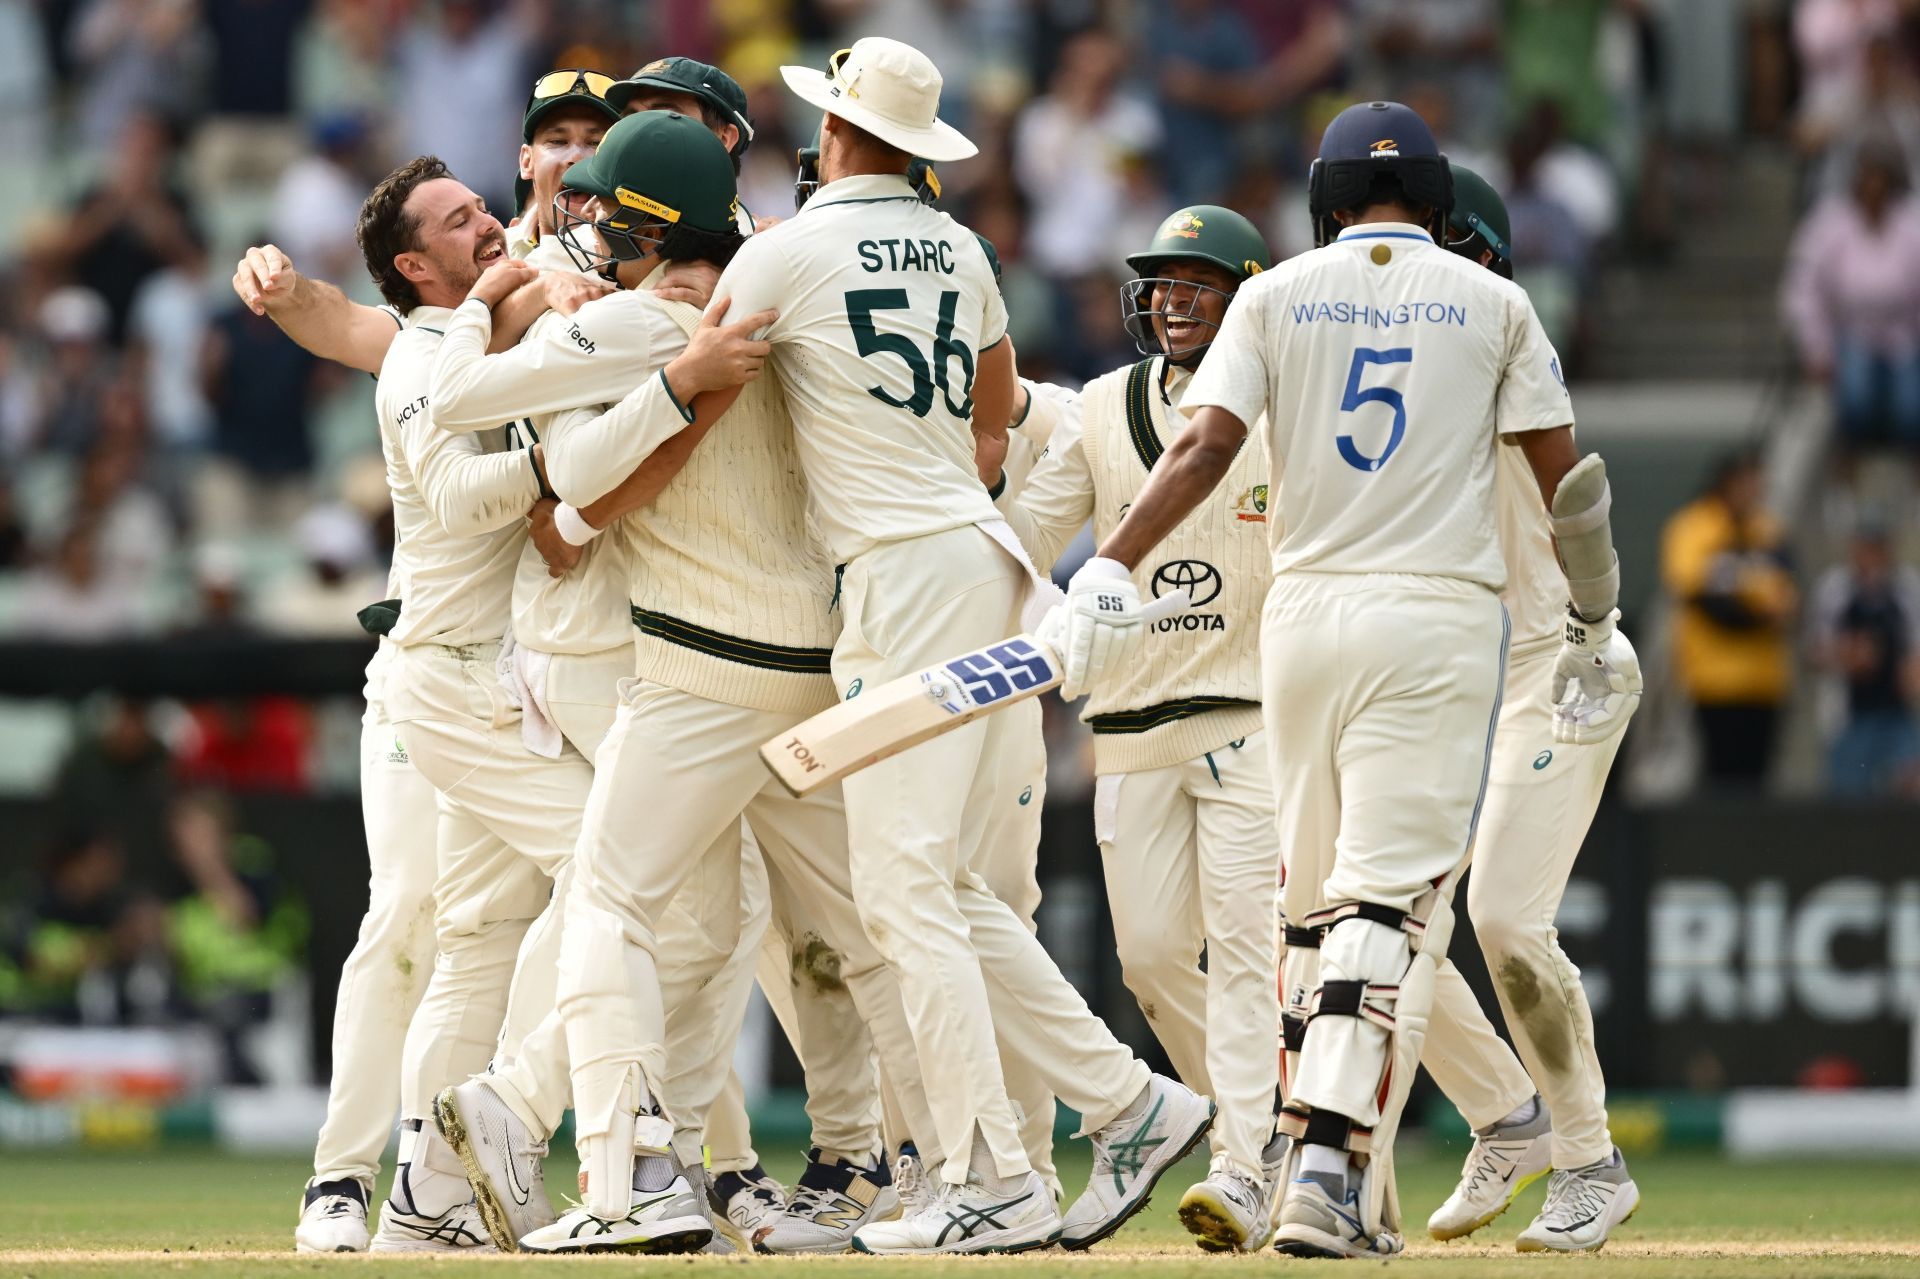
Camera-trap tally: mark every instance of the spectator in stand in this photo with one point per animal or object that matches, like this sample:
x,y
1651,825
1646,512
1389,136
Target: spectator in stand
x,y
1453,45
136,532
119,776
1724,563
84,948
1866,630
1071,150
134,223
134,57
16,549
1553,53
338,579
236,931
340,60
477,54
261,387
1852,299
246,137
1882,108
1192,45
73,326
318,200
1831,38
72,598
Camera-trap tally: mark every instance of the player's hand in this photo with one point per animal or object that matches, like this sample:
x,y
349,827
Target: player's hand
x,y
689,282
766,223
718,355
264,278
1596,682
568,291
560,554
1098,630
500,279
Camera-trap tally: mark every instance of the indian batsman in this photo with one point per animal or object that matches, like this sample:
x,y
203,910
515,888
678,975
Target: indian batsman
x,y
1387,369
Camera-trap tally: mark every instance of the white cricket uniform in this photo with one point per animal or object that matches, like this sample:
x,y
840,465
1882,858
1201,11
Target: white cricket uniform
x,y
884,304
1541,797
382,981
1387,368
731,598
507,816
1183,803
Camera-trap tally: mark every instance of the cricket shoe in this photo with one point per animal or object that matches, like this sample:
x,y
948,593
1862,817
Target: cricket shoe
x,y
504,1162
969,1218
911,1183
1323,1215
333,1217
1229,1211
1583,1206
727,1240
1130,1154
459,1229
832,1200
668,1220
1505,1160
748,1199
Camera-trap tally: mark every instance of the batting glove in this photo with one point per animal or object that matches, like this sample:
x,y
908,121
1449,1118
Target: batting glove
x,y
1097,630
1596,681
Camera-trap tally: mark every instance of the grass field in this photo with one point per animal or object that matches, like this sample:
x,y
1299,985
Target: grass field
x,y
200,1212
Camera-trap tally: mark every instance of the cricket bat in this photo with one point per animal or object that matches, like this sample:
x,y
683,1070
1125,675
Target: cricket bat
x,y
904,712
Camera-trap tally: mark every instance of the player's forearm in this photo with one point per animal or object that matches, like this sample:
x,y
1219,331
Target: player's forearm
x,y
1189,470
665,462
326,322
516,314
623,440
472,493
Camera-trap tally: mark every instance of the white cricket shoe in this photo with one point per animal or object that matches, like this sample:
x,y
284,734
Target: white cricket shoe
x,y
727,1240
1504,1161
1583,1206
968,1219
668,1220
1229,1211
748,1199
333,1218
831,1201
1324,1216
1131,1153
504,1162
459,1229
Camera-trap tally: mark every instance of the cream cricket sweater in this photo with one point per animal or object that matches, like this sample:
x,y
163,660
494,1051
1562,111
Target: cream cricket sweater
x,y
1197,684
731,589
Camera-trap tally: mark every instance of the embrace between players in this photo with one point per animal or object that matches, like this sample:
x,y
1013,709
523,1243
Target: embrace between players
x,y
665,485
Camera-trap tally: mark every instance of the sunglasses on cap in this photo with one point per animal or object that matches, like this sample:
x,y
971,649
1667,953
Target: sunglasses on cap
x,y
556,84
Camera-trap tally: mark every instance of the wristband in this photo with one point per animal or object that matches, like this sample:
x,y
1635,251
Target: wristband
x,y
572,526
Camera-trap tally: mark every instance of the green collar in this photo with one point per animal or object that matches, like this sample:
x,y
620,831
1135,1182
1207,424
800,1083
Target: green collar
x,y
863,187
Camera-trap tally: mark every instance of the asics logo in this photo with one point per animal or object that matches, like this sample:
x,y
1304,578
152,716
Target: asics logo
x,y
971,1221
1130,1156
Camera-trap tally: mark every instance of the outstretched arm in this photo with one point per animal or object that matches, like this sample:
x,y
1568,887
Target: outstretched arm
x,y
316,315
1192,467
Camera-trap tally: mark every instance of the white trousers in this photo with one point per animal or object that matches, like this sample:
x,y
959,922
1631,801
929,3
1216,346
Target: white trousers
x,y
1380,697
508,820
1192,862
384,978
968,967
1541,798
681,771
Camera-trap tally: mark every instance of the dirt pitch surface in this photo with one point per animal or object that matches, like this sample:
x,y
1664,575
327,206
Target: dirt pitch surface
x,y
166,1212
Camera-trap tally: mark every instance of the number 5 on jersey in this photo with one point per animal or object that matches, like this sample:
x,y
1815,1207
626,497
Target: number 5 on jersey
x,y
1363,358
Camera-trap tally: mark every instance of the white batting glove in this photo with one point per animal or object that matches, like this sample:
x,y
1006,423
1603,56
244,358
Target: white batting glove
x,y
1596,681
1098,629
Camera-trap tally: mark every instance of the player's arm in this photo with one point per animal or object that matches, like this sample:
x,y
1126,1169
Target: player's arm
x,y
597,356
995,387
562,291
316,315
1192,467
468,490
1057,499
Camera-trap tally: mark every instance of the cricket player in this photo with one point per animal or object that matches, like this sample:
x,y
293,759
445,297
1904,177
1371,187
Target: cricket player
x,y
1387,369
504,812
1541,797
724,579
889,349
1183,803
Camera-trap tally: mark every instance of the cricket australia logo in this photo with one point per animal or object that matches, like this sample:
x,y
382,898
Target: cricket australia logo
x,y
1251,505
1201,581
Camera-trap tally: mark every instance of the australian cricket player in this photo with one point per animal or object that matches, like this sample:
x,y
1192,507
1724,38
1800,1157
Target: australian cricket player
x,y
1387,370
1183,803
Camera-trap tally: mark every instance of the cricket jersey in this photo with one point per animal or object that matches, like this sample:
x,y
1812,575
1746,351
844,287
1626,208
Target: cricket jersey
x,y
458,502
1386,366
885,305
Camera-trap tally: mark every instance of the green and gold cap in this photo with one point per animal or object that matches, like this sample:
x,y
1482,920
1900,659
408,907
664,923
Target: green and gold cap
x,y
1206,233
662,167
698,79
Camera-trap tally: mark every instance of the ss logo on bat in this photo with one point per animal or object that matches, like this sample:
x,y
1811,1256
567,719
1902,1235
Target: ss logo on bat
x,y
998,672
